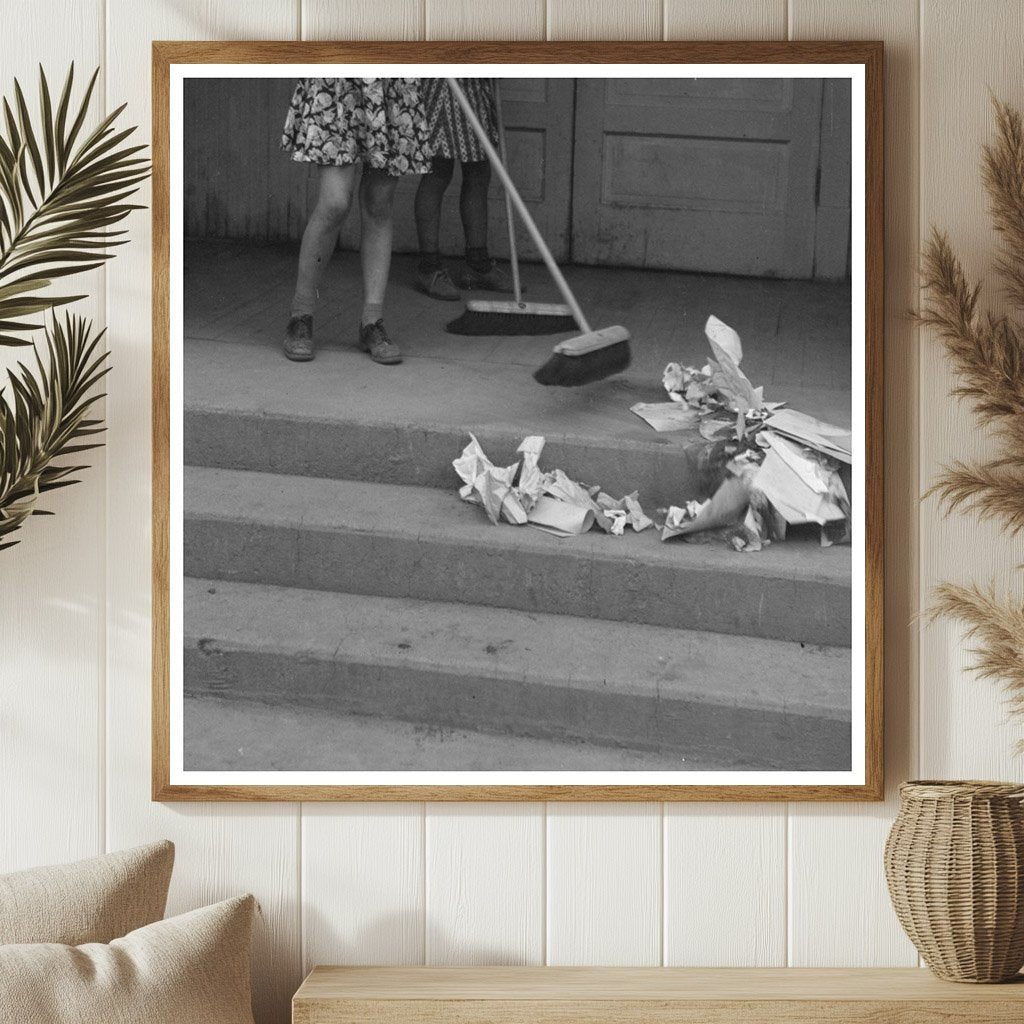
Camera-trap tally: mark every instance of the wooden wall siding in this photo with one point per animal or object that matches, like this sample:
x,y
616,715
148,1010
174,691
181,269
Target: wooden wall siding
x,y
604,19
736,884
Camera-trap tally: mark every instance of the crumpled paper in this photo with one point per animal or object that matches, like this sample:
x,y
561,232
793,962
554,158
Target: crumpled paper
x,y
625,511
724,508
489,485
531,480
552,501
785,467
719,392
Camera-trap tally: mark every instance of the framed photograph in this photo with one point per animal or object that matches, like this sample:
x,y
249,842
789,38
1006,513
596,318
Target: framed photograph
x,y
517,421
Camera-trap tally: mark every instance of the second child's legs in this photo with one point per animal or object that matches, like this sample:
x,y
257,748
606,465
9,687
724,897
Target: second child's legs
x,y
431,277
476,179
376,199
480,270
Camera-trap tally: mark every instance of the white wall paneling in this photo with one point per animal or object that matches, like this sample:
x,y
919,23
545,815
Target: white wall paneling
x,y
485,883
376,883
604,884
725,19
363,893
604,19
52,616
382,19
485,19
725,885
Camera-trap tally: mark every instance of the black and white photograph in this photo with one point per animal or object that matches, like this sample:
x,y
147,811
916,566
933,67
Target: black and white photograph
x,y
517,428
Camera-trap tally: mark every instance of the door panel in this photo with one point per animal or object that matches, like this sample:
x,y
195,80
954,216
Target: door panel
x,y
538,116
712,175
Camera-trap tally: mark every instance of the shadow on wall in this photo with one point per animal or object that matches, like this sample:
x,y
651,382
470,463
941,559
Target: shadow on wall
x,y
383,941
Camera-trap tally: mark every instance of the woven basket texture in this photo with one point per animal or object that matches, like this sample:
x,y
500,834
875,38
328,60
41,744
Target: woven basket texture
x,y
954,862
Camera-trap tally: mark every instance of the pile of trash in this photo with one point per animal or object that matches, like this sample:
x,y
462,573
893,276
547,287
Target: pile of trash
x,y
785,467
781,468
523,495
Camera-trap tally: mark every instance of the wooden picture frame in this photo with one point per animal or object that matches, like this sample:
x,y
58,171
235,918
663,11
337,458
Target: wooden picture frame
x,y
866,55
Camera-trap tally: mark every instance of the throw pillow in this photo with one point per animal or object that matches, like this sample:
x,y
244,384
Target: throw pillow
x,y
92,900
190,969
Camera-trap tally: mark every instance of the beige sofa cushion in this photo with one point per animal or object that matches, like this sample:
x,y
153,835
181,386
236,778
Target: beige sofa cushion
x,y
191,969
93,900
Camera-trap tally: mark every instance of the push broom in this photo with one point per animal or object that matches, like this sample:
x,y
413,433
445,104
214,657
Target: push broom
x,y
518,318
592,355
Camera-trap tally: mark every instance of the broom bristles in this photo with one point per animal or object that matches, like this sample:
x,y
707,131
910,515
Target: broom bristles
x,y
568,371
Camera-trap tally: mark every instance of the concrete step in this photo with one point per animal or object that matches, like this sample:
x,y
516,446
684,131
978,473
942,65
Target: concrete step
x,y
704,697
393,541
241,735
328,419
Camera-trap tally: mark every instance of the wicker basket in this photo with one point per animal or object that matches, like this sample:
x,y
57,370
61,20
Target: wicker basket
x,y
954,861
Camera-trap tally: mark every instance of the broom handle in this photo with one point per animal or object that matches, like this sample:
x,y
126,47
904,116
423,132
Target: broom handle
x,y
513,194
513,255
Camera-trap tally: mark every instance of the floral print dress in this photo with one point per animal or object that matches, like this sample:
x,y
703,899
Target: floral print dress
x,y
451,135
377,121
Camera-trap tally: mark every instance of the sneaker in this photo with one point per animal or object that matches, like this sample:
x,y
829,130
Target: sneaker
x,y
493,279
374,339
437,284
298,339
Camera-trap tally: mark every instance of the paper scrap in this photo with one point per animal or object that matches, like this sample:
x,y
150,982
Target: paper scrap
x,y
724,508
666,416
530,485
793,485
725,338
823,437
522,493
560,517
623,512
488,485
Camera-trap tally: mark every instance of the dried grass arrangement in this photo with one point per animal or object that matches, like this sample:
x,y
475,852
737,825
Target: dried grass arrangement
x,y
987,354
62,191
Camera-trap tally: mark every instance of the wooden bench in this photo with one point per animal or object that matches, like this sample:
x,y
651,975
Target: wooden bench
x,y
646,995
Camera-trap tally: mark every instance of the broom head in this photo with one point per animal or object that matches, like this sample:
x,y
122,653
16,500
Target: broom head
x,y
482,317
586,358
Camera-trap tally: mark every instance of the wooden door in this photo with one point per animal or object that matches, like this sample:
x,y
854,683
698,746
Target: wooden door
x,y
713,175
538,116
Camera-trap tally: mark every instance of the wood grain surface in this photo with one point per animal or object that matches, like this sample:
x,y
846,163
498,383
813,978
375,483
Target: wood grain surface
x,y
339,995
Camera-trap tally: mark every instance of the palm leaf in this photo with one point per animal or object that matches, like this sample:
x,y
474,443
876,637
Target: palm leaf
x,y
44,420
62,192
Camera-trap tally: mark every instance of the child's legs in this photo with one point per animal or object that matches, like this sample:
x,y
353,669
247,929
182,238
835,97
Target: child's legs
x,y
376,196
321,234
429,196
476,179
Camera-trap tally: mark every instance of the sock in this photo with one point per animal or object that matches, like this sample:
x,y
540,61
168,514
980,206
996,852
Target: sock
x,y
372,312
478,260
429,262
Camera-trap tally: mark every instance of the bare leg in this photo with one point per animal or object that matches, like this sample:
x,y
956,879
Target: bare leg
x,y
376,197
321,235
